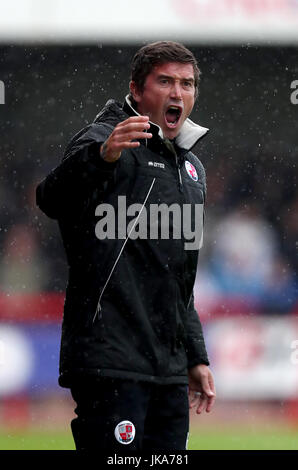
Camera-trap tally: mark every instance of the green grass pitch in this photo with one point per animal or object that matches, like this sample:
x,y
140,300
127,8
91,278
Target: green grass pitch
x,y
211,439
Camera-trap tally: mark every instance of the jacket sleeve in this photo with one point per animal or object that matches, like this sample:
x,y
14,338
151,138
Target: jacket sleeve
x,y
195,344
65,190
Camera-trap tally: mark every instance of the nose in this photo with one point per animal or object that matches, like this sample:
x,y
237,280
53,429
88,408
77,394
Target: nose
x,y
176,91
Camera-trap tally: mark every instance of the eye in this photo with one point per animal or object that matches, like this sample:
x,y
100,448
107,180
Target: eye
x,y
187,84
164,81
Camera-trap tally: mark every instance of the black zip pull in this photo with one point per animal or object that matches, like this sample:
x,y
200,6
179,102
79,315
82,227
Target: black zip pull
x,y
179,174
180,179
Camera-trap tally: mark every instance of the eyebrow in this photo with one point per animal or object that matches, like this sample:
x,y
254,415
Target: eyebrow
x,y
188,79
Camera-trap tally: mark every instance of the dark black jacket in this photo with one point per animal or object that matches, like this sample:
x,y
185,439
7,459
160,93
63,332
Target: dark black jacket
x,y
129,310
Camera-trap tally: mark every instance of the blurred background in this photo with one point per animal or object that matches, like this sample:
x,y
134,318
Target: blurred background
x,y
60,61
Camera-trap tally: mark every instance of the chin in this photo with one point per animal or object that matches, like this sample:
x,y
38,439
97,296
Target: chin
x,y
170,133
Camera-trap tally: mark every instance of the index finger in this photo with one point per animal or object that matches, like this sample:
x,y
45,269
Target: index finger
x,y
210,404
134,119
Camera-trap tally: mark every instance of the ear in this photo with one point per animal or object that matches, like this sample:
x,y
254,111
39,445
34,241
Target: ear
x,y
136,94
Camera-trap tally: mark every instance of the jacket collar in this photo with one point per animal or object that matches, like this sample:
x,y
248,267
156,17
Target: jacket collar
x,y
188,136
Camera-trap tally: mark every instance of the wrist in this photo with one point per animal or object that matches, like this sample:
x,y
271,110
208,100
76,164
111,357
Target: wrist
x,y
104,154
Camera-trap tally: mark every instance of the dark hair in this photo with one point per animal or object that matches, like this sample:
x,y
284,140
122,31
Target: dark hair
x,y
161,52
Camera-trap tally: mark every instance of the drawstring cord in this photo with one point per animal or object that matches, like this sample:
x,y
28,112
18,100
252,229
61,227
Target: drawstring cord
x,y
98,308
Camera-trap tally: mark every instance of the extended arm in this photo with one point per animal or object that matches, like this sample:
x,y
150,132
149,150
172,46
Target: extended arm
x,y
64,190
90,159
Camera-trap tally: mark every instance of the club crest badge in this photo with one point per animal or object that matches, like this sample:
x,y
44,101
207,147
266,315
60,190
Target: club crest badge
x,y
192,172
125,432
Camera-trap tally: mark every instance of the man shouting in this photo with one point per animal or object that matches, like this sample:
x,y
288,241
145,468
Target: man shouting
x,y
132,347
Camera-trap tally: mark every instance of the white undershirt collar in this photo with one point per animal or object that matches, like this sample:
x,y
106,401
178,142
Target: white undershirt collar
x,y
189,134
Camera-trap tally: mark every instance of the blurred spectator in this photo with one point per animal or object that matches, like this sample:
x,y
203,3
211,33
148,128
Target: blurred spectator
x,y
22,270
289,233
244,252
280,288
244,261
49,242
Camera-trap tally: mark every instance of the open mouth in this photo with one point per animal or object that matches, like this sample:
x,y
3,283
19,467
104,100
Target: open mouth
x,y
172,115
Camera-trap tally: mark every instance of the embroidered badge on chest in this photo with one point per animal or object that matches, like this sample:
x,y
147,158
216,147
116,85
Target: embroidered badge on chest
x,y
125,432
191,171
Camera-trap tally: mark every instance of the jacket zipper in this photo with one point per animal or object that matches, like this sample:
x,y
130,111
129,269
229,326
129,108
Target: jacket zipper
x,y
171,148
179,174
98,311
